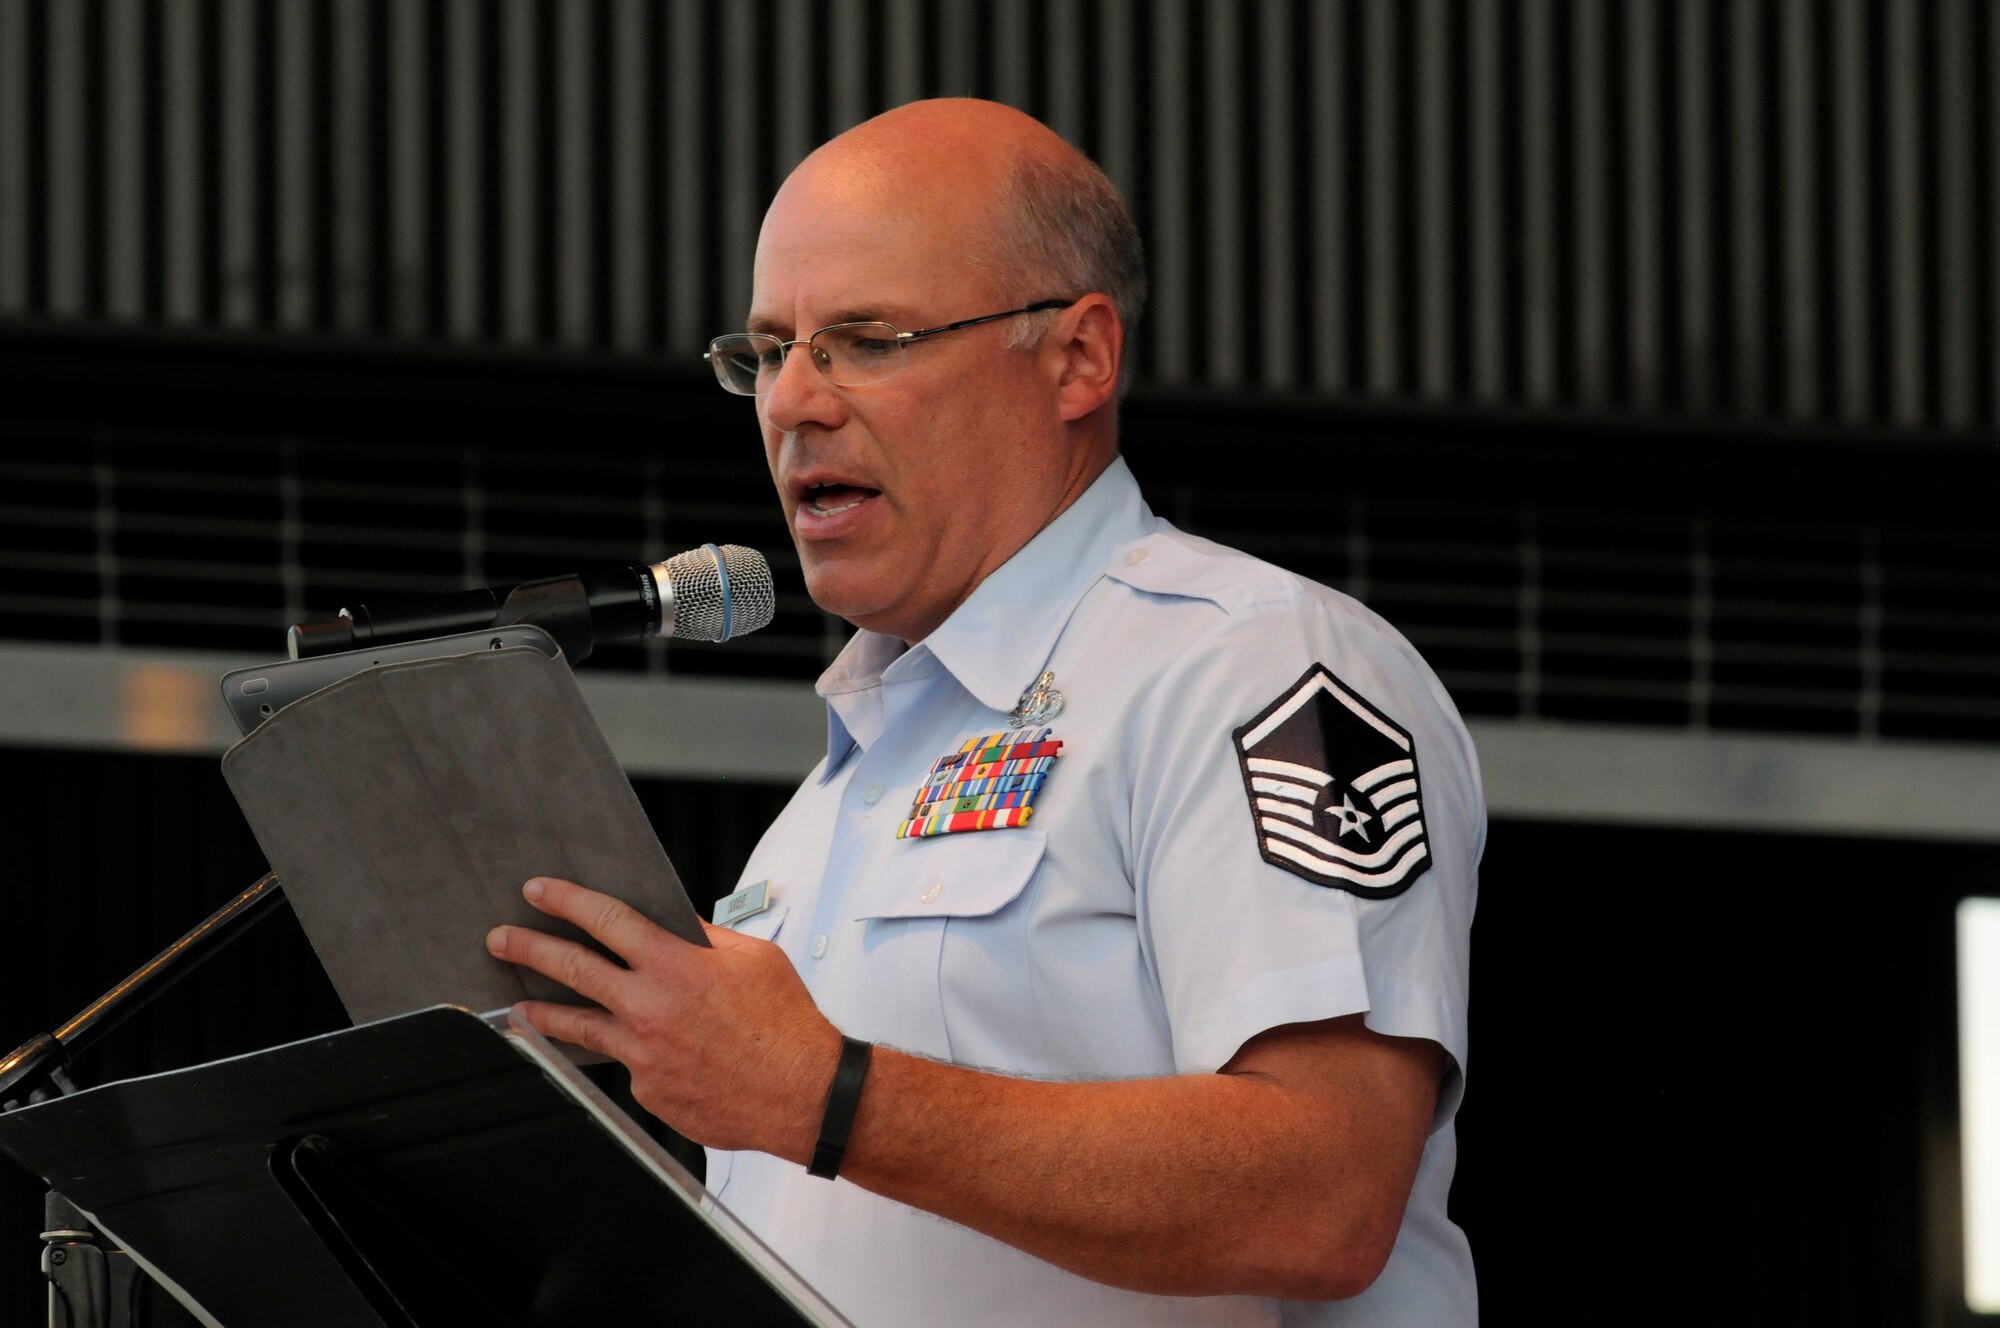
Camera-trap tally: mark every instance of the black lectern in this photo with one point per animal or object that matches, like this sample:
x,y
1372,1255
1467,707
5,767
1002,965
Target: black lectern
x,y
436,1168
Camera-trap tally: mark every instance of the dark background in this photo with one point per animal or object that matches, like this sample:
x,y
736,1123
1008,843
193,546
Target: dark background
x,y
1640,359
1706,1066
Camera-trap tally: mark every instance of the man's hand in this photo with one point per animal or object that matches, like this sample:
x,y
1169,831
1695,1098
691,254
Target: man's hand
x,y
724,1044
1284,1174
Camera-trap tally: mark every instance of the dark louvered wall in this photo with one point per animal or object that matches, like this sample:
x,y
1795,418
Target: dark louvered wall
x,y
1768,209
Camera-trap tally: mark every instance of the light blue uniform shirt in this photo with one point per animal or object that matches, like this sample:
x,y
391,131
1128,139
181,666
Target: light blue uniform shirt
x,y
1133,927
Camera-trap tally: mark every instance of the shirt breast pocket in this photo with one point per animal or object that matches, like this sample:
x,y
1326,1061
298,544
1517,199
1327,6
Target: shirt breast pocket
x,y
949,917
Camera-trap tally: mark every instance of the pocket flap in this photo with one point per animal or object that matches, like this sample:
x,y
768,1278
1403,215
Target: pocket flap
x,y
966,875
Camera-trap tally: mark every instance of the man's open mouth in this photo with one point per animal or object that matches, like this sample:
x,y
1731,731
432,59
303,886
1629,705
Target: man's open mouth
x,y
831,499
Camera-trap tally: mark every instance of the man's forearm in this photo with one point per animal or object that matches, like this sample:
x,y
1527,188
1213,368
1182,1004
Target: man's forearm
x,y
1249,1181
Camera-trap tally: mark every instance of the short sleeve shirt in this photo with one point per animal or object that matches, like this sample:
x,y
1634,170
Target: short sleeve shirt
x,y
1190,870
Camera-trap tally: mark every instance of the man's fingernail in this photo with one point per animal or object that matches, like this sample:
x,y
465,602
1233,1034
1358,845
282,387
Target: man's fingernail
x,y
496,940
533,889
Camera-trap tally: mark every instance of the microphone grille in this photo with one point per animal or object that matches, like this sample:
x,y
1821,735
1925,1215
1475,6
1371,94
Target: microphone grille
x,y
720,592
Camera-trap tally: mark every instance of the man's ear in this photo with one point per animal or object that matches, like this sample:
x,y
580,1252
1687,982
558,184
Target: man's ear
x,y
1090,338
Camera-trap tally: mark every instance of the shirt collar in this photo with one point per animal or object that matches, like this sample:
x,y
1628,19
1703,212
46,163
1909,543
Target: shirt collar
x,y
998,641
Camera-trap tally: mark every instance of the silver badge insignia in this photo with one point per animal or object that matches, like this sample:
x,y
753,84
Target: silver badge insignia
x,y
1038,705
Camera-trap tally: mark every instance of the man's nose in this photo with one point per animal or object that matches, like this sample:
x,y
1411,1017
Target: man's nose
x,y
799,394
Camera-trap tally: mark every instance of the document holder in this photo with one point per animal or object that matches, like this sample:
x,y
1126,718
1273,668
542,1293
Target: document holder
x,y
434,1168
404,807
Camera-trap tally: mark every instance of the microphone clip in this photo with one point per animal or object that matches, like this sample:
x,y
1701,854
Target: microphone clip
x,y
560,606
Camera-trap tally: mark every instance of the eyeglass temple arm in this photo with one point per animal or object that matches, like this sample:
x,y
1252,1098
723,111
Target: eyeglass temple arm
x,y
987,318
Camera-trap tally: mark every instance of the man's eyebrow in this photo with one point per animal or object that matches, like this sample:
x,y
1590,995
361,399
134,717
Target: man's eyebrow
x,y
873,314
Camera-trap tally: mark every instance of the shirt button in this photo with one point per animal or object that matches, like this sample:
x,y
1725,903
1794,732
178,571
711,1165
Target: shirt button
x,y
931,892
872,795
819,947
1135,557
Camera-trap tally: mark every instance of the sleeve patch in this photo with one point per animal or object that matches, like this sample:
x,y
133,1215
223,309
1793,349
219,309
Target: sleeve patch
x,y
1333,789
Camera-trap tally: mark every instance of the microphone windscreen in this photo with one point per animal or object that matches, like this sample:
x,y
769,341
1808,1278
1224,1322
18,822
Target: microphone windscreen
x,y
719,593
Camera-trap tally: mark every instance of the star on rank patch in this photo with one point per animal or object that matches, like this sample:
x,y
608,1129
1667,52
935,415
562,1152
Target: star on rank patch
x,y
1333,789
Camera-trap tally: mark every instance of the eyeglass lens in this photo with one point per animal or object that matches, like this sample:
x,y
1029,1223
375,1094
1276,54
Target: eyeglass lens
x,y
849,354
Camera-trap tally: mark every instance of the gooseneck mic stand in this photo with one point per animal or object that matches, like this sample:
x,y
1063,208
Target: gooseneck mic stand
x,y
90,1286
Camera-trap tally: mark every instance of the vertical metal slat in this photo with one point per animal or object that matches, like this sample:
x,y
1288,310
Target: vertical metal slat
x,y
1748,172
65,257
576,181
1484,200
1591,154
297,183
1382,242
1868,701
1221,207
355,170
520,186
1528,630
1118,113
1538,202
632,259
1644,234
790,95
180,110
1908,344
1799,212
1954,335
1172,196
14,191
1701,622
242,187
1062,54
848,51
1696,189
903,23
410,154
689,135
1013,60
1991,60
957,35
1275,316
1436,214
466,233
1853,183
742,207
125,204
1327,114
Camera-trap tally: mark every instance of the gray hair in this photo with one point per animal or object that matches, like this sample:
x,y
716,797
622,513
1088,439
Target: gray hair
x,y
1063,231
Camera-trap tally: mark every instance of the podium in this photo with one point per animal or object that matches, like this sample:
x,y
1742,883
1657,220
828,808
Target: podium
x,y
434,1168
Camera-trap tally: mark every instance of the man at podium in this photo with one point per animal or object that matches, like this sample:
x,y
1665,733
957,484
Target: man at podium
x,y
1112,966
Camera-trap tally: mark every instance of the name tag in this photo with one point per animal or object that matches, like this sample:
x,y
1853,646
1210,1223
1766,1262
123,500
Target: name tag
x,y
745,903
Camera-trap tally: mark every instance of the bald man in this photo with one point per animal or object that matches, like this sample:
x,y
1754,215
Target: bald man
x,y
1111,968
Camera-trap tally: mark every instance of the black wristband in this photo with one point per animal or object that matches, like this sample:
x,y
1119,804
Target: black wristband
x,y
843,1099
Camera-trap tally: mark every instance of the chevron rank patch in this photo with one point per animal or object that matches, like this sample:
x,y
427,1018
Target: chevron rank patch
x,y
989,783
1333,789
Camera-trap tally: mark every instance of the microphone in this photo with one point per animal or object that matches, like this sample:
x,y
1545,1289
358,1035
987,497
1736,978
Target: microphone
x,y
706,594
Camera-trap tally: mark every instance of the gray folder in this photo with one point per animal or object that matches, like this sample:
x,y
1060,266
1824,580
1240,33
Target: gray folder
x,y
403,808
